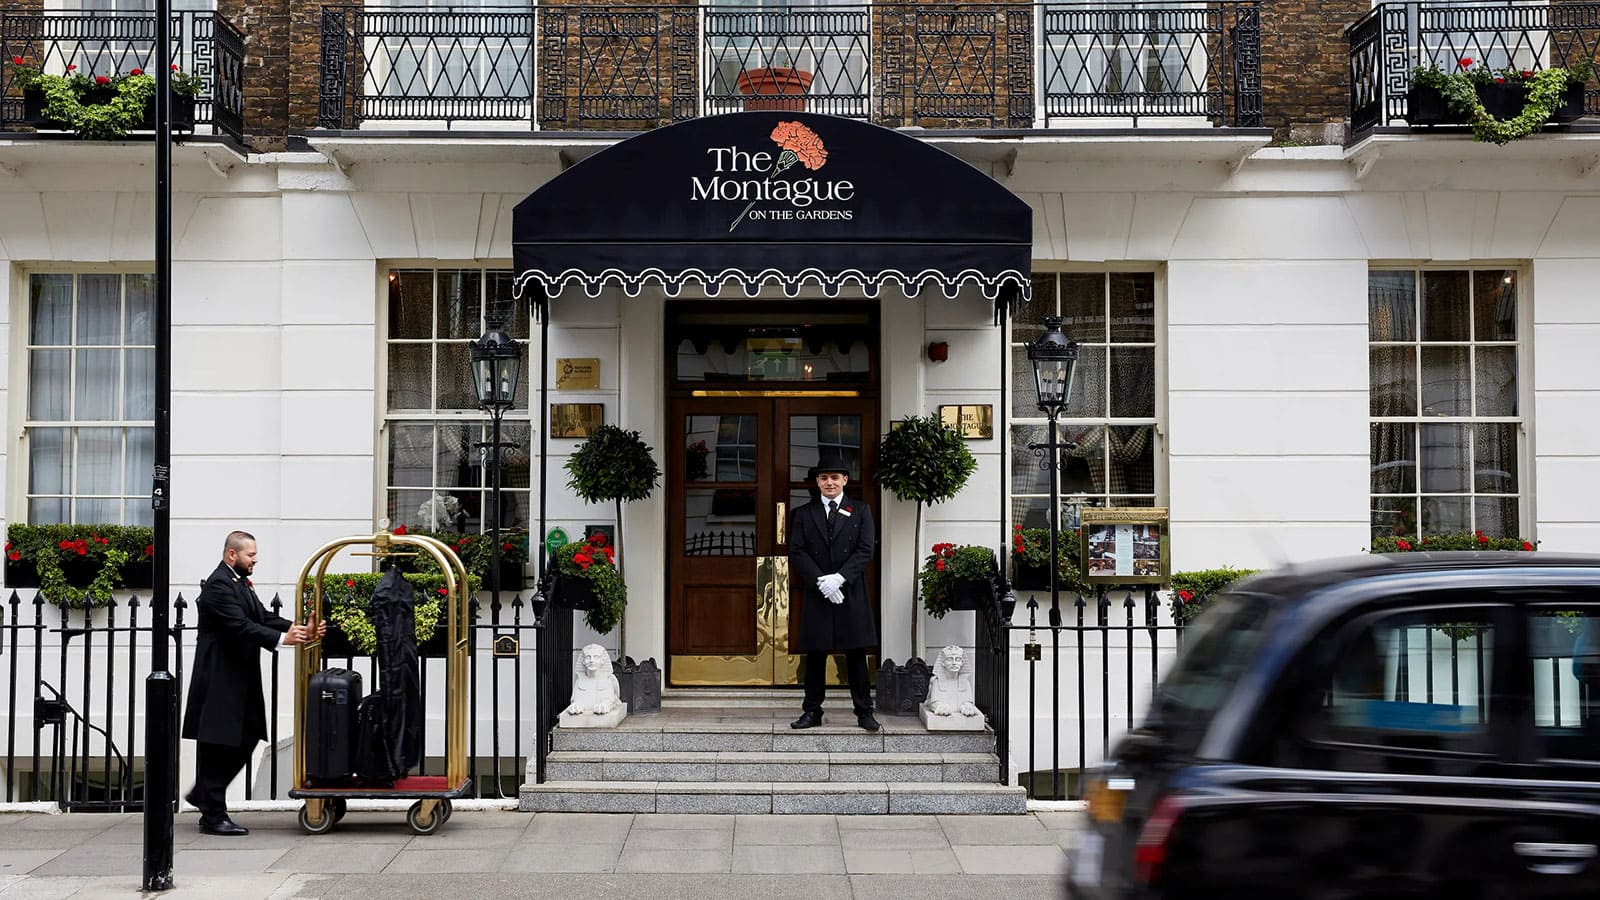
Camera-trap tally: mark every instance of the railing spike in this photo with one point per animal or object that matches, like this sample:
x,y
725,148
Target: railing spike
x,y
133,602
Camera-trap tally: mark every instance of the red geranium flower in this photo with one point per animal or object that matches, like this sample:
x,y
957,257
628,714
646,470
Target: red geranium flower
x,y
1527,73
1499,81
349,582
1402,544
14,555
1185,595
101,79
1482,539
72,68
149,549
136,71
443,592
505,546
939,565
598,539
1527,546
399,529
1465,61
16,60
174,67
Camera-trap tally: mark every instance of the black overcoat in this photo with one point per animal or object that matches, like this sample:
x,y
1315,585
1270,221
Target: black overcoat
x,y
824,625
225,703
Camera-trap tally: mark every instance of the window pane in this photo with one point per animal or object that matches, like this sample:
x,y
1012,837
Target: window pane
x,y
410,376
455,377
1133,307
1391,306
407,508
457,462
1083,307
1028,475
50,310
1445,307
1083,470
99,309
460,301
1088,399
498,299
516,461
719,522
139,465
1494,305
1497,516
139,310
1445,382
1394,465
99,462
48,461
1495,457
96,386
48,511
1133,382
1394,516
139,385
410,456
410,304
1028,321
89,510
1131,461
1394,381
49,374
1496,390
1443,515
138,512
1444,458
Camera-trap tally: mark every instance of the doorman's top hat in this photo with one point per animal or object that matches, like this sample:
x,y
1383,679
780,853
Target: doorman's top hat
x,y
832,464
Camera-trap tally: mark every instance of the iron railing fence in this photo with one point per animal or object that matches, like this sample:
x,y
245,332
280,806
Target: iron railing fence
x,y
82,674
966,65
1080,675
1390,42
108,43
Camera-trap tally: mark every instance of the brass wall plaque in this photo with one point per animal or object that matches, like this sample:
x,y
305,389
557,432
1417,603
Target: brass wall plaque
x,y
505,645
974,421
575,420
578,374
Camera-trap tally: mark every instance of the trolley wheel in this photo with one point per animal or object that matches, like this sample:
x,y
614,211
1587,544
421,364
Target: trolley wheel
x,y
433,823
339,807
447,808
323,826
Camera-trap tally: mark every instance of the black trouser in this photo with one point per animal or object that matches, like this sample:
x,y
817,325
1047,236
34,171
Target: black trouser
x,y
215,767
855,666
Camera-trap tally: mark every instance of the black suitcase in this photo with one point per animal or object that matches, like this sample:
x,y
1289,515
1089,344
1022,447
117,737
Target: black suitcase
x,y
334,696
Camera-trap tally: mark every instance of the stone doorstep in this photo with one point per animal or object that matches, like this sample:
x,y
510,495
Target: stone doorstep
x,y
733,766
754,739
782,798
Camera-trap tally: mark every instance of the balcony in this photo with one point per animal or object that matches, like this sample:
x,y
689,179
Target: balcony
x,y
111,43
952,66
1387,44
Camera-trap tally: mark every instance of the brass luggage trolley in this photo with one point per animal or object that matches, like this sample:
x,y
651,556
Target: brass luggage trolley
x,y
324,807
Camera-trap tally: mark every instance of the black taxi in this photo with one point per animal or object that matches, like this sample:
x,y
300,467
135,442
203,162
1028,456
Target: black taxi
x,y
1414,725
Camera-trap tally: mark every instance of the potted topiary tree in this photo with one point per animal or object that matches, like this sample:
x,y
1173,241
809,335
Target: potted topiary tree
x,y
613,464
925,461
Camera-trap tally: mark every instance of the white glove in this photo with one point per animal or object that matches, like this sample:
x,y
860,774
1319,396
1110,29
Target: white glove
x,y
834,581
836,597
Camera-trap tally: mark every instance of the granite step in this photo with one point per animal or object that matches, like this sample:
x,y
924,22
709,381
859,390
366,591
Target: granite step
x,y
648,733
778,797
620,766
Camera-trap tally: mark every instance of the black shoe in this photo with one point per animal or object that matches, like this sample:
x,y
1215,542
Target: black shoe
x,y
222,826
865,720
808,719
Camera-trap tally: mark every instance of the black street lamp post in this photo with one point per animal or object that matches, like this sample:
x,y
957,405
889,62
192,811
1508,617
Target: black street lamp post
x,y
496,359
1054,356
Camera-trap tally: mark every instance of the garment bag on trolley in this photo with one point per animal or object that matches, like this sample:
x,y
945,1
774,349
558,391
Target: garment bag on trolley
x,y
389,722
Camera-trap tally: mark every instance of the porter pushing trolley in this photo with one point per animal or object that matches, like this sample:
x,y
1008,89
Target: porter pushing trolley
x,y
325,723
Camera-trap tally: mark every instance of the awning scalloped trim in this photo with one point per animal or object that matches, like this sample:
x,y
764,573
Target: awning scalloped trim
x,y
673,283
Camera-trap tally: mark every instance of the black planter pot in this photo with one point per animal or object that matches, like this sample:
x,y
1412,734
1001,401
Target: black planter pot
x,y
182,114
510,575
639,685
33,103
99,96
20,573
1503,101
80,571
1571,103
1427,106
139,574
971,594
574,593
1031,578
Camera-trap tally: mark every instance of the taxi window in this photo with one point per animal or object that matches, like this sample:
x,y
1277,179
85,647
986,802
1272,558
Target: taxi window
x,y
1564,653
1220,646
1415,680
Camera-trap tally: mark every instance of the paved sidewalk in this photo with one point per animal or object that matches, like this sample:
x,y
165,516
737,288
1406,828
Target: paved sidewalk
x,y
503,853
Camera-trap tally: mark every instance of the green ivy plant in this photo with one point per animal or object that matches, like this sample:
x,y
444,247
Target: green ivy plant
x,y
349,602
594,561
67,97
49,548
925,461
947,564
1546,90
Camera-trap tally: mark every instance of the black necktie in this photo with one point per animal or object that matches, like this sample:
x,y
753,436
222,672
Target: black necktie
x,y
833,507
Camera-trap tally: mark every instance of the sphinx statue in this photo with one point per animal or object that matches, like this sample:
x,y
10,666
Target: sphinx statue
x,y
951,702
596,696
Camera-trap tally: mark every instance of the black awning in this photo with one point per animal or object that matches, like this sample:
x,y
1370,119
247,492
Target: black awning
x,y
785,198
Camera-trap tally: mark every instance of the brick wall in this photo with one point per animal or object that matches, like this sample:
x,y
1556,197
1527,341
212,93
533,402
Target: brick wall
x,y
1305,66
265,26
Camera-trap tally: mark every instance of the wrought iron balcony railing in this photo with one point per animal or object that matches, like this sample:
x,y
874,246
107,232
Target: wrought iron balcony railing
x,y
966,65
1394,39
110,43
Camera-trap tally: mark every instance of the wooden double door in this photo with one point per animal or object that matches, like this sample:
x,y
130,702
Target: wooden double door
x,y
743,466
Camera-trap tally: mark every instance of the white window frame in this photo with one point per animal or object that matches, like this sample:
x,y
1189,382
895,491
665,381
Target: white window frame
x,y
1017,355
1523,346
19,380
387,418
